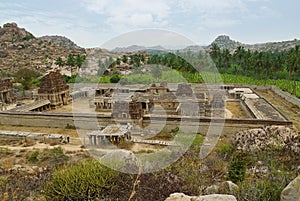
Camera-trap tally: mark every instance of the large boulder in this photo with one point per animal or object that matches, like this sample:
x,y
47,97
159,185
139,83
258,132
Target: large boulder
x,y
227,187
213,197
178,197
292,191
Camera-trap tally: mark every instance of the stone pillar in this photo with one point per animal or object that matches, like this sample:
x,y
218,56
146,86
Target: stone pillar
x,y
1,97
90,139
99,139
95,140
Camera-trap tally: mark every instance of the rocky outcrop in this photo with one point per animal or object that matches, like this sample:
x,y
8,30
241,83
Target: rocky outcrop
x,y
61,40
270,137
225,42
292,191
12,33
213,197
19,48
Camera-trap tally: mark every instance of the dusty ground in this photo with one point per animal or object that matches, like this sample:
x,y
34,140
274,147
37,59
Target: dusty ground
x,y
79,106
236,111
137,148
63,131
287,108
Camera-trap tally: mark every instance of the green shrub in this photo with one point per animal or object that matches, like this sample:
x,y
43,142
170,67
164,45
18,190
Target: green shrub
x,y
237,169
2,180
260,190
33,157
225,150
115,78
88,180
54,156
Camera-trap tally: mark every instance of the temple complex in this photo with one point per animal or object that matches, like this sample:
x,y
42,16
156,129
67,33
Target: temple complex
x,y
54,88
131,103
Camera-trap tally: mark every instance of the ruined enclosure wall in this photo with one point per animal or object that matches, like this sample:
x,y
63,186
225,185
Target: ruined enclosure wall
x,y
286,96
32,119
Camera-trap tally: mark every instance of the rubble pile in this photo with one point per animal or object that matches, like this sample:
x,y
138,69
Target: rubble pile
x,y
269,137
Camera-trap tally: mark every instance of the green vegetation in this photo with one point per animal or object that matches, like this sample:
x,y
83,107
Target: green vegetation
x,y
115,78
259,65
237,169
72,60
33,157
88,180
27,77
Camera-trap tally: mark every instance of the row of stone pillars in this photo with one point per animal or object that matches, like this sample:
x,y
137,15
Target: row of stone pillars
x,y
100,139
42,108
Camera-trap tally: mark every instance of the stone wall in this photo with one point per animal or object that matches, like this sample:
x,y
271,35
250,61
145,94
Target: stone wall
x,y
286,96
91,121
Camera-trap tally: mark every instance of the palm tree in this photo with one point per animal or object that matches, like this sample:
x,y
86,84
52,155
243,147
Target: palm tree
x,y
59,62
239,55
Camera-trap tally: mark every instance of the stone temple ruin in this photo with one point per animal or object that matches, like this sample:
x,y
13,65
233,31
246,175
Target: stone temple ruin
x,y
54,88
6,93
135,103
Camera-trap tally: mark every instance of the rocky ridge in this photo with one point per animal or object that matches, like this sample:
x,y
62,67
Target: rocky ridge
x,y
19,48
225,42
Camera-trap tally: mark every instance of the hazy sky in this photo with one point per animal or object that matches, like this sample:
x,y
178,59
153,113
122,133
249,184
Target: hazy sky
x,y
90,23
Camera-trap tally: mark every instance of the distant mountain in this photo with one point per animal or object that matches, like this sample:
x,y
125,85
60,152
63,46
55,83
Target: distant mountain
x,y
193,48
61,40
136,48
19,48
225,42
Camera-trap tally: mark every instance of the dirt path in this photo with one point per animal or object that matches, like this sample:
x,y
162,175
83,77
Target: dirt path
x,y
287,108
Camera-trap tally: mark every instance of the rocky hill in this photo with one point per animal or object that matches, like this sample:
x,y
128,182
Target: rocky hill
x,y
137,48
61,40
225,42
19,48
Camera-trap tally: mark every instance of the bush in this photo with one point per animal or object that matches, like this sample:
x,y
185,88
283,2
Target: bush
x,y
237,169
88,180
54,156
33,157
225,150
261,190
115,78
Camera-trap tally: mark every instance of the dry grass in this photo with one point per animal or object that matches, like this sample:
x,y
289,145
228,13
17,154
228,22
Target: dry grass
x,y
237,111
8,162
63,131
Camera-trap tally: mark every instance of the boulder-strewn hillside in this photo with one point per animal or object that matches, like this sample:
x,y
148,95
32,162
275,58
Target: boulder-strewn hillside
x,y
225,42
19,48
61,40
137,48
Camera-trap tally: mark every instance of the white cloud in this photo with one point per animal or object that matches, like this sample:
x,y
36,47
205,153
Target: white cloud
x,y
133,13
210,6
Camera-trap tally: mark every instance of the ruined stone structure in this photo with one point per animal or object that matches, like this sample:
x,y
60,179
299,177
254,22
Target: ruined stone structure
x,y
6,91
130,103
54,88
110,134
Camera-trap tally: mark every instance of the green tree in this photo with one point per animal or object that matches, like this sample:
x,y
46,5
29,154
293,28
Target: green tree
x,y
124,58
70,60
25,76
115,78
59,62
156,72
79,60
